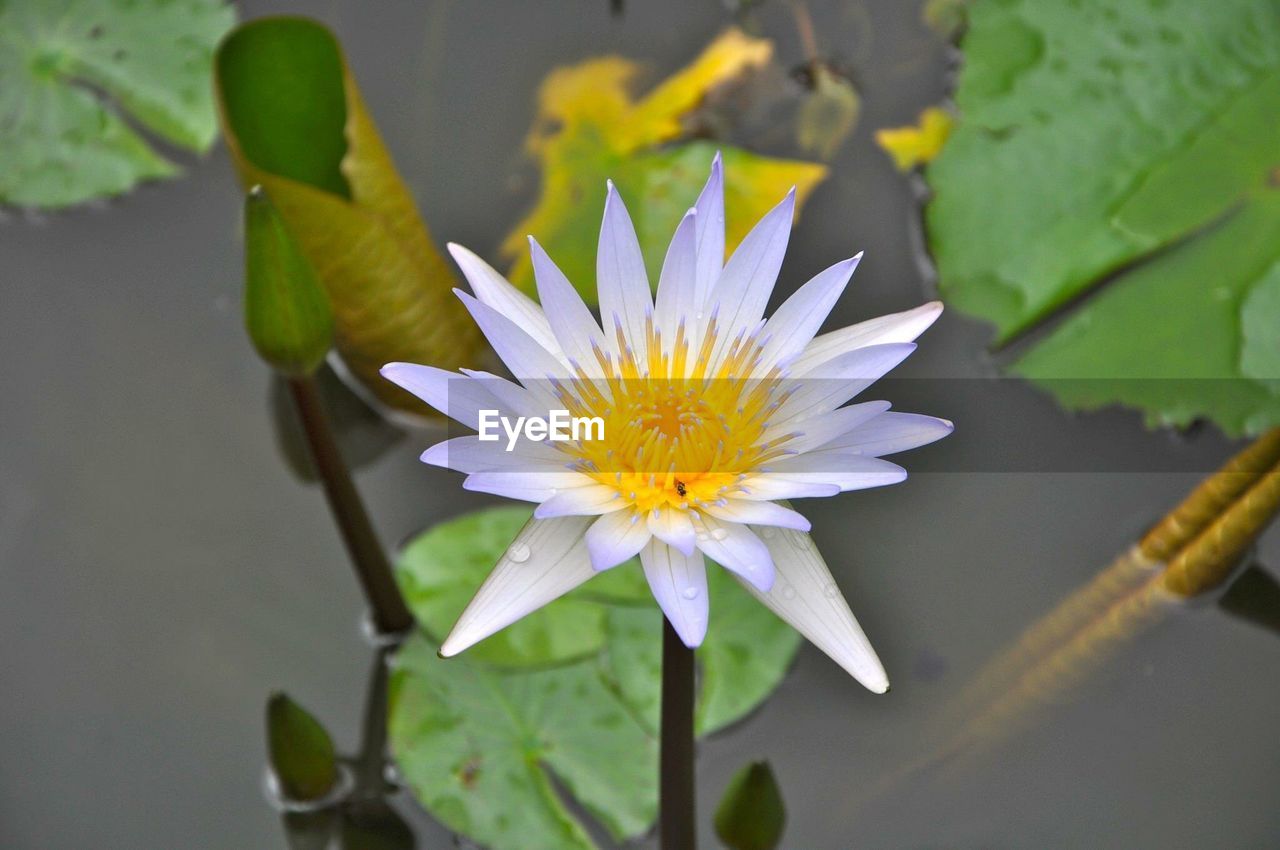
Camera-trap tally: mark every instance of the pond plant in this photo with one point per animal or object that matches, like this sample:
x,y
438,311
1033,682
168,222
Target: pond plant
x,y
542,671
701,419
711,417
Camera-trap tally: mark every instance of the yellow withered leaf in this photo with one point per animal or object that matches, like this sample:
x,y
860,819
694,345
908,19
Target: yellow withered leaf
x,y
657,116
917,144
295,123
590,128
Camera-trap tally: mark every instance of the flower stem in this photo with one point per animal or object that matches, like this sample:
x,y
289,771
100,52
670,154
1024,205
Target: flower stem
x,y
677,828
367,556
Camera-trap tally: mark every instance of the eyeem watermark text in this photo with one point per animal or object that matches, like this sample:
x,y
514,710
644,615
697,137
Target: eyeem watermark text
x,y
557,428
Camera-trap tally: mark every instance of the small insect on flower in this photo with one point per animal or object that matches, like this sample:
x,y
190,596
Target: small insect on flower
x,y
712,417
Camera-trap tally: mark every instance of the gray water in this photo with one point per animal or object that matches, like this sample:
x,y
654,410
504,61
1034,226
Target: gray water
x,y
162,570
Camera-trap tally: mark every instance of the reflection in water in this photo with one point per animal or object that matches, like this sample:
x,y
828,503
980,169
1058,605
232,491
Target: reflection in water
x,y
1254,598
362,818
1048,634
1194,554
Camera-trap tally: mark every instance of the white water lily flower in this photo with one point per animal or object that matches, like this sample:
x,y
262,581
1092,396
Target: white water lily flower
x,y
712,416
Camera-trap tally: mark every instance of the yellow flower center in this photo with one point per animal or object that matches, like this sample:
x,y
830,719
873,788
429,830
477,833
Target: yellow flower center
x,y
676,433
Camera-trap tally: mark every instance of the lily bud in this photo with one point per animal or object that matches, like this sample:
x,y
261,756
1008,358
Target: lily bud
x,y
300,751
286,311
751,815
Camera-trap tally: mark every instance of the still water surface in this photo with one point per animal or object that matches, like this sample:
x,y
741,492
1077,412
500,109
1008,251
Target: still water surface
x,y
161,570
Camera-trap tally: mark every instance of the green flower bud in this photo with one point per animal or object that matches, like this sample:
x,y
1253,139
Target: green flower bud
x,y
751,815
300,751
286,311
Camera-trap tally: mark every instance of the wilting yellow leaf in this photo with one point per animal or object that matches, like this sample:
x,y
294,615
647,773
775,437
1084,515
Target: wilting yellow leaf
x,y
295,123
828,114
590,128
657,117
916,145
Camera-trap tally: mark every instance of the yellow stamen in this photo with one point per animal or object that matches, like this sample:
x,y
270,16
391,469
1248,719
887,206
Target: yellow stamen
x,y
678,433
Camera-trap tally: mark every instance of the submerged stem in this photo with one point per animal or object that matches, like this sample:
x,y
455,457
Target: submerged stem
x,y
677,827
367,556
804,26
1211,498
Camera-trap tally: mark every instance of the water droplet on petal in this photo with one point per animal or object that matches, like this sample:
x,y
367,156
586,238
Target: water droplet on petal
x,y
689,593
702,535
831,590
788,592
767,532
519,552
719,534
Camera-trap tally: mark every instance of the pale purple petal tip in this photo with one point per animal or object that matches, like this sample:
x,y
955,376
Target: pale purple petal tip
x,y
679,584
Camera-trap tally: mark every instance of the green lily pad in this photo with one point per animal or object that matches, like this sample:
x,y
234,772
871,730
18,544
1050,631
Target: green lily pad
x,y
479,746
576,667
743,659
747,652
80,74
441,569
1131,153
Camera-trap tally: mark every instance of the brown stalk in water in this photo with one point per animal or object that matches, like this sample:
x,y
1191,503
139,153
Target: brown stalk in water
x,y
1194,550
1197,562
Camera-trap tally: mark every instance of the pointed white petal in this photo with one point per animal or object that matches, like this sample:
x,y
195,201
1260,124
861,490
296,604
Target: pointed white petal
x,y
457,396
833,383
806,596
846,470
766,487
673,527
589,500
742,292
547,559
533,400
526,359
737,548
496,291
525,486
794,324
896,327
615,538
571,321
756,513
710,234
677,288
870,362
679,583
621,277
893,432
817,431
471,454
